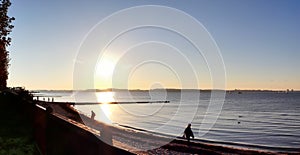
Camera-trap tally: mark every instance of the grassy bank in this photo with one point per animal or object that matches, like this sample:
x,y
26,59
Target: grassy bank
x,y
16,132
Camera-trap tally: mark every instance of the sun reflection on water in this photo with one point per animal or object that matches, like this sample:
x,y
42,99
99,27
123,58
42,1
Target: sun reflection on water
x,y
106,98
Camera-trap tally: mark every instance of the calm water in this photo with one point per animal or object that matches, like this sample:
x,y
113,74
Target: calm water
x,y
257,118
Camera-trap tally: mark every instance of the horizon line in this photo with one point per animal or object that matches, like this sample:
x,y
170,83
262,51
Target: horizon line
x,y
110,89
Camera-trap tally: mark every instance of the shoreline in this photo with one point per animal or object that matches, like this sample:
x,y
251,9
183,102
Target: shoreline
x,y
223,143
136,140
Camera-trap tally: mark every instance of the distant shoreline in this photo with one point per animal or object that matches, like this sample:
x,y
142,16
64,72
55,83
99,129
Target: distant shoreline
x,y
167,89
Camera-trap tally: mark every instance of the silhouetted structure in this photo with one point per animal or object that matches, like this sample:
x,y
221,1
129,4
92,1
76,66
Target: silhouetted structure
x,y
188,132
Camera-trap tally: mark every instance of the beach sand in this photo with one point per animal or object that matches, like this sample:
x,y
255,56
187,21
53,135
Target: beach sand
x,y
140,142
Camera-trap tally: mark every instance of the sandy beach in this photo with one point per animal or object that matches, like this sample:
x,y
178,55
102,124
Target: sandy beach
x,y
140,142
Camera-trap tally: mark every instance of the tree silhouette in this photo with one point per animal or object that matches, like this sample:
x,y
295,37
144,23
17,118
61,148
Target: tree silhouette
x,y
5,29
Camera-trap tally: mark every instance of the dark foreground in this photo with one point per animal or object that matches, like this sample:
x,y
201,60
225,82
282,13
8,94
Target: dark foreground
x,y
134,141
16,133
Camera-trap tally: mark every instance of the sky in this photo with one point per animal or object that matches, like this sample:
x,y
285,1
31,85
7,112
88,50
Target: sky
x,y
258,41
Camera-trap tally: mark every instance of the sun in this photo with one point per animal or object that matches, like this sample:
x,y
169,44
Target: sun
x,y
104,71
105,68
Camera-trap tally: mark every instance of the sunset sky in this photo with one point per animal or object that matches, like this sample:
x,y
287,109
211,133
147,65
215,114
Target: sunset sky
x,y
258,40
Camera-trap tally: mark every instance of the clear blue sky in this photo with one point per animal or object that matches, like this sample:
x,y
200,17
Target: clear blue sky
x,y
259,40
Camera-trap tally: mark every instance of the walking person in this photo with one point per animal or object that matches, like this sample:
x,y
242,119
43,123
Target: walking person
x,y
93,115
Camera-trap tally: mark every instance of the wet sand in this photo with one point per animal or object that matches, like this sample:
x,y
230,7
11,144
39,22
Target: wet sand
x,y
140,142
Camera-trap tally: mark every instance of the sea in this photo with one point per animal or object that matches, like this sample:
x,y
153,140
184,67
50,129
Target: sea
x,y
255,119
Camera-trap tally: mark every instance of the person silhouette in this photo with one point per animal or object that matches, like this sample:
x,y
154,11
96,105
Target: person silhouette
x,y
93,115
188,132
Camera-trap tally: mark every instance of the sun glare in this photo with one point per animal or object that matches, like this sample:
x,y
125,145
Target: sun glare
x,y
105,97
105,68
106,109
